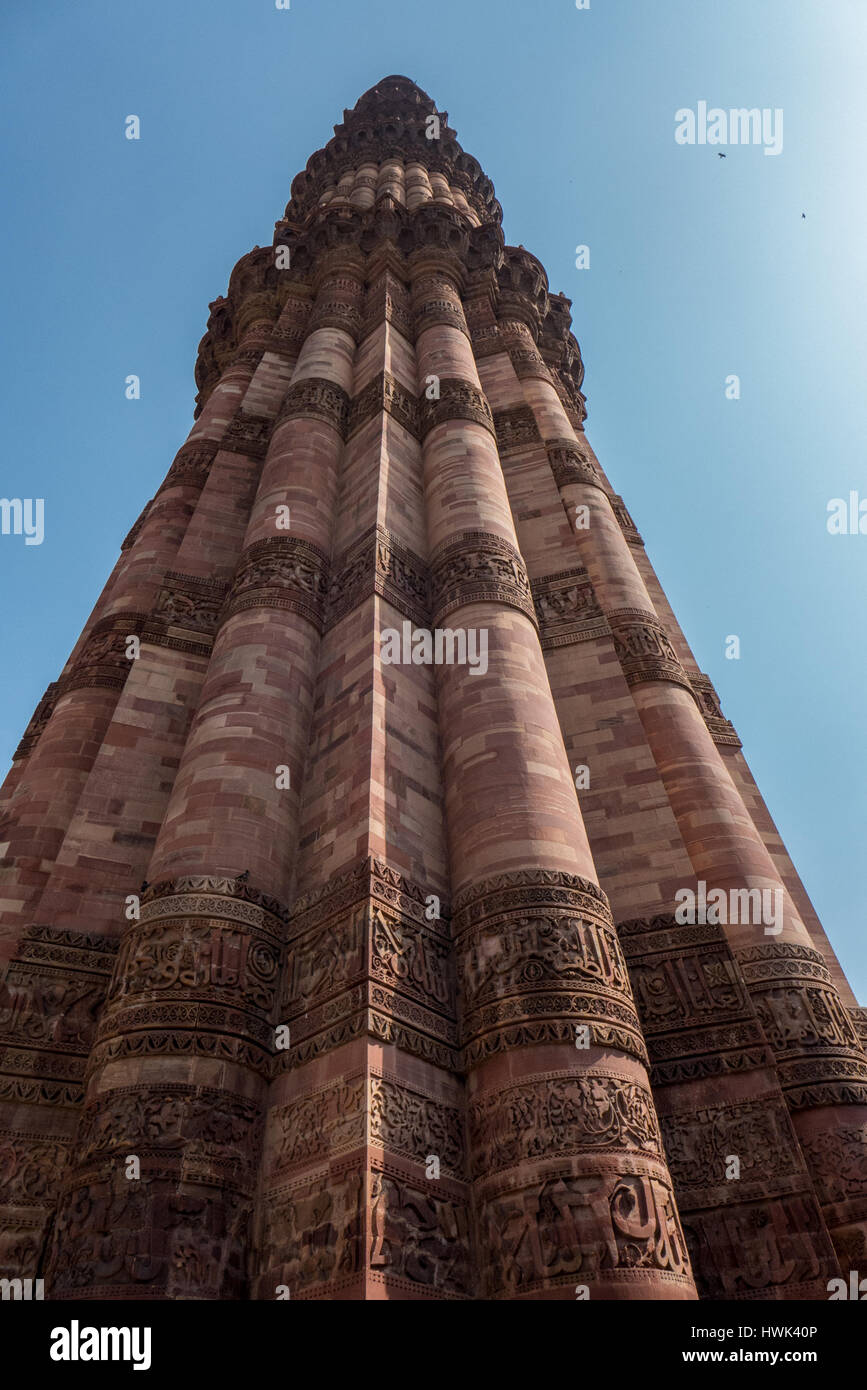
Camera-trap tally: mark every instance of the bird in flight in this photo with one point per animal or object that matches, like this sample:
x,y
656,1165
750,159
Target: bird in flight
x,y
720,155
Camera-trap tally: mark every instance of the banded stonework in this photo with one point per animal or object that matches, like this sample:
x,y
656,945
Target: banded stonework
x,y
328,977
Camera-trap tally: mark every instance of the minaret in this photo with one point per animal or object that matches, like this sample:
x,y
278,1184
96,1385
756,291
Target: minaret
x,y
341,860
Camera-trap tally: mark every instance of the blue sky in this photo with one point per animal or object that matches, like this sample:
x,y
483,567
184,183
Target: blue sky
x,y
699,268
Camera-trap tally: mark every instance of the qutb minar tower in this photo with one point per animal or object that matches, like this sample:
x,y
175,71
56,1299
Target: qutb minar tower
x,y
344,945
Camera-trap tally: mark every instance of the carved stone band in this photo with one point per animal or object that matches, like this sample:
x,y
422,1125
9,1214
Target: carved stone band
x,y
478,567
539,948
516,429
644,648
103,660
281,572
459,400
248,434
379,564
385,393
570,465
191,465
721,729
316,398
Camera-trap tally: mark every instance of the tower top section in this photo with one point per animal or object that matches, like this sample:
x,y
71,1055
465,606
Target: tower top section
x,y
395,119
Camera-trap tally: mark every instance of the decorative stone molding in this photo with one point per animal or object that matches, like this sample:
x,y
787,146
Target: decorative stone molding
x,y
192,464
516,429
38,721
567,610
535,947
189,602
316,398
281,572
103,660
613,1226
570,464
478,567
50,1001
384,393
364,957
645,650
722,730
459,400
248,434
627,525
378,563
560,1114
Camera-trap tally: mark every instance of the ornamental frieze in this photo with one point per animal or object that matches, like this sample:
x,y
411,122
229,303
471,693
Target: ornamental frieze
x,y
190,957
125,1240
699,1144
721,729
570,464
191,603
527,888
329,1122
557,1115
567,610
31,1165
312,1236
574,1229
419,1238
248,434
173,1120
837,1160
38,721
624,520
429,312
516,429
103,660
644,648
405,1121
316,398
192,464
522,952
687,989
281,572
478,567
384,393
458,400
762,1249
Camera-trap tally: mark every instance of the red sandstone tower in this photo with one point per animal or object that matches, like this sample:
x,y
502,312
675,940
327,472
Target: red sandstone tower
x,y
320,976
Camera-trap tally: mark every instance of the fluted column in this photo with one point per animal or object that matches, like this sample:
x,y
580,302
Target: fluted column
x,y
821,1066
539,964
197,975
